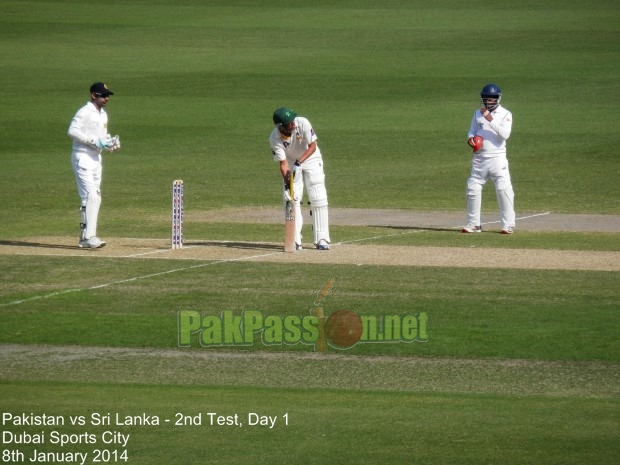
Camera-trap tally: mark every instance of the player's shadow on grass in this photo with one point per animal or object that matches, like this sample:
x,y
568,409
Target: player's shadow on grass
x,y
37,244
237,245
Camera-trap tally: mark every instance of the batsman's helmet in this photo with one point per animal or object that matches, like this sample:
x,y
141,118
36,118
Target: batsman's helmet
x,y
491,92
283,116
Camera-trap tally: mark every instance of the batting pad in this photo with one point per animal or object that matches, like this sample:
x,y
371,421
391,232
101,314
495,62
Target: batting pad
x,y
320,217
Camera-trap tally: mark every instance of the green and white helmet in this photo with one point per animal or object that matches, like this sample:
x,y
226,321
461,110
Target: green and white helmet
x,y
283,116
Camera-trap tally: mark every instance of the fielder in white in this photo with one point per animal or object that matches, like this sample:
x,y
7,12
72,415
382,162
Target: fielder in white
x,y
293,145
493,123
89,131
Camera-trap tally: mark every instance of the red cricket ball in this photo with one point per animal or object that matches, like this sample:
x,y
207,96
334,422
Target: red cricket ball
x,y
477,143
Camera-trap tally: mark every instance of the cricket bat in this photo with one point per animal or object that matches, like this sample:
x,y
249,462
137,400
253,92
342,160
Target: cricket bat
x,y
289,228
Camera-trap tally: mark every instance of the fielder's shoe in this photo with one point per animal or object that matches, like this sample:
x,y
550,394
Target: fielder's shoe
x,y
323,245
92,243
508,230
470,228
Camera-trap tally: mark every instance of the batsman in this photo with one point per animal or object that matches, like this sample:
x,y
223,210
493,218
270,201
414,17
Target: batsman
x,y
294,146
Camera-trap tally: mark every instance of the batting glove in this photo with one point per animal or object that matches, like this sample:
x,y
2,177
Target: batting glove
x,y
296,168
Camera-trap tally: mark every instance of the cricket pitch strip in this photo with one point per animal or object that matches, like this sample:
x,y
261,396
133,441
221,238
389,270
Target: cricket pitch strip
x,y
354,252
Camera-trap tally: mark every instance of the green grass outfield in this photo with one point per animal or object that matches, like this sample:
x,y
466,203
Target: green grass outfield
x,y
520,366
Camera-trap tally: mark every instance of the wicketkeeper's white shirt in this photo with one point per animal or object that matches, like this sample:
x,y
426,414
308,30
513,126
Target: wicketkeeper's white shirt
x,y
88,125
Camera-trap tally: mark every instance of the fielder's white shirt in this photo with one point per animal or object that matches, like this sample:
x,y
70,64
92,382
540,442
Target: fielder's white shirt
x,y
494,133
294,146
88,125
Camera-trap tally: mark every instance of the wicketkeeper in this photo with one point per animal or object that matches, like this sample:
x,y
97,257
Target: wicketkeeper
x,y
89,131
294,146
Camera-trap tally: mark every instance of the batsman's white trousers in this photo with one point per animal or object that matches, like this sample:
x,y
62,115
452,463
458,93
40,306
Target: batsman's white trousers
x,y
496,169
313,179
87,169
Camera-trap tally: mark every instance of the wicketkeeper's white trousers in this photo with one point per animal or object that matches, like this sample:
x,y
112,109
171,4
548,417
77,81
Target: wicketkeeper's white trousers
x,y
88,170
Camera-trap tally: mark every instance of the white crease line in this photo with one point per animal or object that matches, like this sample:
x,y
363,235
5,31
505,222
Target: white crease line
x,y
517,219
53,294
414,231
135,255
136,278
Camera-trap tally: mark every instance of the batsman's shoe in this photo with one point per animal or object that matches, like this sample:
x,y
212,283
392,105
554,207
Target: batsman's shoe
x,y
470,228
92,243
323,245
508,230
298,247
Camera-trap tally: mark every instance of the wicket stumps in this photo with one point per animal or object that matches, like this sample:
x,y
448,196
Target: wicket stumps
x,y
177,214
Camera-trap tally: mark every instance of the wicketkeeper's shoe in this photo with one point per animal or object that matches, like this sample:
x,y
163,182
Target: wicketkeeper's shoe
x,y
470,228
323,245
508,230
92,243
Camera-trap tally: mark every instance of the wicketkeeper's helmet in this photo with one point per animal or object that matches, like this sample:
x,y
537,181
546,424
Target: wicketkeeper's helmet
x,y
491,92
283,116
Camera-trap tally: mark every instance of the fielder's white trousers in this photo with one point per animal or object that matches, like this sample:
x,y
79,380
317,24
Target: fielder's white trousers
x,y
496,169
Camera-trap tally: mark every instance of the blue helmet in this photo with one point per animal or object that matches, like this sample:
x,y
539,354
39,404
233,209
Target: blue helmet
x,y
491,95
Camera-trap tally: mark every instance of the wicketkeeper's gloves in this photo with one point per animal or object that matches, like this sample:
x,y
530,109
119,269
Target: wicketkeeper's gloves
x,y
116,144
108,143
102,144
